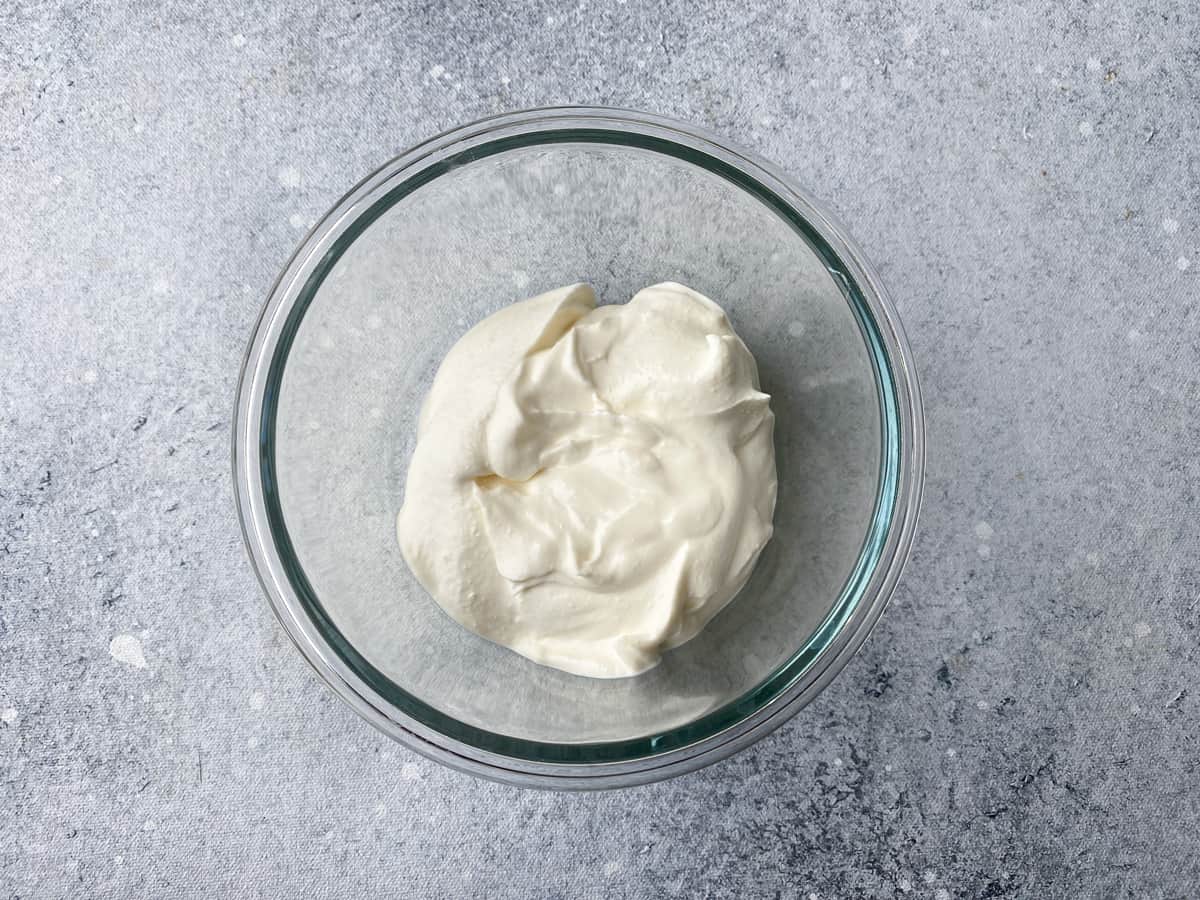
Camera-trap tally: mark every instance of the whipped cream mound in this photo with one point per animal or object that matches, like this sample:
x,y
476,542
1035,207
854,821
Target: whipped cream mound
x,y
591,485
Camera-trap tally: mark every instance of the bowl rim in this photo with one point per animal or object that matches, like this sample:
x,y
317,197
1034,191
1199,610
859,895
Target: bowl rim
x,y
252,424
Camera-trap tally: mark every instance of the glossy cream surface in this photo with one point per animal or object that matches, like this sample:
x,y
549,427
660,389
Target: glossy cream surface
x,y
591,485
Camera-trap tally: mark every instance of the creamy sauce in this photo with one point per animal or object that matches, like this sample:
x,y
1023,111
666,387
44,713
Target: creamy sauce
x,y
592,485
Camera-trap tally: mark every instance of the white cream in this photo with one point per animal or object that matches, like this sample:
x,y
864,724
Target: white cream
x,y
592,485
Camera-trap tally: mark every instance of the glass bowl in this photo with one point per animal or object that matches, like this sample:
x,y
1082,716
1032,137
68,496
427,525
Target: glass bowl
x,y
493,212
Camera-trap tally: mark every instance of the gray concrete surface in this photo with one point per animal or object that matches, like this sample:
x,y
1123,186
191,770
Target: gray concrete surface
x,y
1022,724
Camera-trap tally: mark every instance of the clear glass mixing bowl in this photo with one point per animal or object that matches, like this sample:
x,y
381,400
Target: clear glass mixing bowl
x,y
496,211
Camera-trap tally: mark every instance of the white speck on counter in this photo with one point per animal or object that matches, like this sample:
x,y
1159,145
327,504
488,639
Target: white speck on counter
x,y
1141,630
611,868
520,279
149,826
118,859
238,40
930,877
252,742
847,82
9,716
984,551
90,376
905,885
796,329
289,177
1182,263
1093,558
838,762
945,51
1170,226
410,772
984,531
951,752
125,648
1134,335
1086,129
981,704
257,700
887,767
296,220
437,71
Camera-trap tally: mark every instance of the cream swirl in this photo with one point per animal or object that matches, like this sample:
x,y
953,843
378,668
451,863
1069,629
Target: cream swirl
x,y
592,485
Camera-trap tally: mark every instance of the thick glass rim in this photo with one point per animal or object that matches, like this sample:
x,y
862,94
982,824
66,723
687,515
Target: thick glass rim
x,y
718,733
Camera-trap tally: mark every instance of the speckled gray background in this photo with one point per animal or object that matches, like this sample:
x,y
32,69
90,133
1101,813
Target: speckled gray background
x,y
1023,722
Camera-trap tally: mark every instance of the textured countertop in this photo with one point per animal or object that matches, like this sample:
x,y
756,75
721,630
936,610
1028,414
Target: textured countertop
x,y
1023,721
